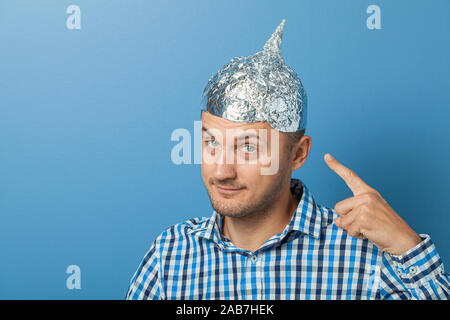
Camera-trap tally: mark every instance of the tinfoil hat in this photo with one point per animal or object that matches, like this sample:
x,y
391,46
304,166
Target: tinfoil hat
x,y
260,87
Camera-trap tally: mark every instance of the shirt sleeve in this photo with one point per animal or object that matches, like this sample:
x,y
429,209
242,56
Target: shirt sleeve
x,y
418,274
146,283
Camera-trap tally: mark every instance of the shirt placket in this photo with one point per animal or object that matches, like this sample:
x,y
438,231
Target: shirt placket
x,y
254,280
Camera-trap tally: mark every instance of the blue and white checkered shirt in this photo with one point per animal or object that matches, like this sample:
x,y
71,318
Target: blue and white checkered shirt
x,y
310,259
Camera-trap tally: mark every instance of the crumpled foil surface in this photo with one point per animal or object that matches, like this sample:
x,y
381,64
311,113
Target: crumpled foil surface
x,y
260,87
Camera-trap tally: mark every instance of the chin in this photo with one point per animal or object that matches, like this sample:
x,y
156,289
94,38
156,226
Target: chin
x,y
233,209
226,209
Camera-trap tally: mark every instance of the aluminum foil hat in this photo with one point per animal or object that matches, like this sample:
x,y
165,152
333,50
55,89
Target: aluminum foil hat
x,y
260,87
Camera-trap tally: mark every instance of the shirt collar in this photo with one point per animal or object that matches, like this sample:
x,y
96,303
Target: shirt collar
x,y
306,219
308,216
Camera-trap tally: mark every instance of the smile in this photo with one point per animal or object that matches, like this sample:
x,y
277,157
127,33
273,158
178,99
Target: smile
x,y
227,190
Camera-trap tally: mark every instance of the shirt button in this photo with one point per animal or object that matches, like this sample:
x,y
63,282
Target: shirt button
x,y
412,270
254,258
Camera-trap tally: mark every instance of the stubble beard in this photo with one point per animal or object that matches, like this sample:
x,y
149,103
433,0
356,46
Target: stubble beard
x,y
255,206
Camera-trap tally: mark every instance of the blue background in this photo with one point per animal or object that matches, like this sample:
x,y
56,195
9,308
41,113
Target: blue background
x,y
86,117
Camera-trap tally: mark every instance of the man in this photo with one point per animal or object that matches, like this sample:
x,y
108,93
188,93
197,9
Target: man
x,y
267,238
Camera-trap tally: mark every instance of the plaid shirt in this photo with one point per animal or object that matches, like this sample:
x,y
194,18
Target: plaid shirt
x,y
310,259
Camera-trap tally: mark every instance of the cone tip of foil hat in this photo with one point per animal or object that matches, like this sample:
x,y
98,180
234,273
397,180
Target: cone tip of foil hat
x,y
274,43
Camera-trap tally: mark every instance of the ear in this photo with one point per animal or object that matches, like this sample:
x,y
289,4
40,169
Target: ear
x,y
300,152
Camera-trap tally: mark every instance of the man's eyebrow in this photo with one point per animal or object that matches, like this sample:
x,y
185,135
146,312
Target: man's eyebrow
x,y
206,130
247,135
243,135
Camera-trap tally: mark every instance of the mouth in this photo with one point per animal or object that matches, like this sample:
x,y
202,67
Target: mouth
x,y
227,190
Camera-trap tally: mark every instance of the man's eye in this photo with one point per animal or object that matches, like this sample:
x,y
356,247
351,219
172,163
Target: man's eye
x,y
211,143
249,148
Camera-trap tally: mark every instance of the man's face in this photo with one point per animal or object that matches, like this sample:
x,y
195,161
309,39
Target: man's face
x,y
244,166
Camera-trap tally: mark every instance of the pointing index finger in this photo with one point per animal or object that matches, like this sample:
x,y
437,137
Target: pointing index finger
x,y
353,181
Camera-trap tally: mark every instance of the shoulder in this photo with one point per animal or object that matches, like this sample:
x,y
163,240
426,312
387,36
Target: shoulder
x,y
335,236
172,238
182,230
328,215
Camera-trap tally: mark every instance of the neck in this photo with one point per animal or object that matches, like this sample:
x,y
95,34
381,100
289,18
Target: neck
x,y
250,232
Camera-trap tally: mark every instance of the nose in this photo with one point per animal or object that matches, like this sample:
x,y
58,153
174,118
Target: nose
x,y
224,168
224,171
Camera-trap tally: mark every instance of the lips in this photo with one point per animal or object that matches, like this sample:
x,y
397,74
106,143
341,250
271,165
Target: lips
x,y
227,189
